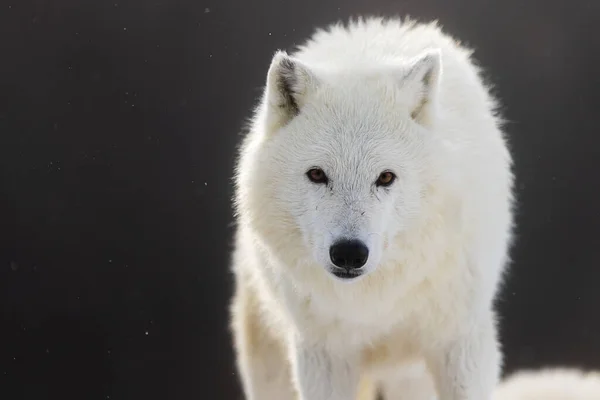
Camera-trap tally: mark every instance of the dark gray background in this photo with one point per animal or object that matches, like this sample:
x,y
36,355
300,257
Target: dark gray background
x,y
118,125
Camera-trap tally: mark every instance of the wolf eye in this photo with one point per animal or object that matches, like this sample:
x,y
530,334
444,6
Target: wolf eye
x,y
385,179
316,175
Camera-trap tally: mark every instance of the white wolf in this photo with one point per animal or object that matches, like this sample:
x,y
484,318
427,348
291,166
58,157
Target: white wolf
x,y
374,215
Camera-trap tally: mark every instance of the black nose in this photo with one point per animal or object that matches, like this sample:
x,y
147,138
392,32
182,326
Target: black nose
x,y
349,254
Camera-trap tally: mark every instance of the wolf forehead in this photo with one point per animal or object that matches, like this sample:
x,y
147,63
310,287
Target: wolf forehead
x,y
346,149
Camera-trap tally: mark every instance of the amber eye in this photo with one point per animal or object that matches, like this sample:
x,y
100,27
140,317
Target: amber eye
x,y
316,175
385,179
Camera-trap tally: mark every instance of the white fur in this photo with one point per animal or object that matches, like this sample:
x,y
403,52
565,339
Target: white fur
x,y
550,384
355,101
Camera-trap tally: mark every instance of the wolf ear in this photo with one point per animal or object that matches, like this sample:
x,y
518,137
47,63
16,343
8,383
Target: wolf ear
x,y
289,82
421,78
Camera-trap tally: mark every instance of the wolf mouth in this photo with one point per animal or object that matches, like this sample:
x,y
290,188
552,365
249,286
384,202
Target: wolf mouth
x,y
345,274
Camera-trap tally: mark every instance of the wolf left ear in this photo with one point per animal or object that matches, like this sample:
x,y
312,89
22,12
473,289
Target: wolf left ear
x,y
289,82
421,79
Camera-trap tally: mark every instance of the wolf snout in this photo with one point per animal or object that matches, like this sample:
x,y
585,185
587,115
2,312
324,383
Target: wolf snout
x,y
349,254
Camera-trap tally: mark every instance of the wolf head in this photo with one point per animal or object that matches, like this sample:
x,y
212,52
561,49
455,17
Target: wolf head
x,y
338,160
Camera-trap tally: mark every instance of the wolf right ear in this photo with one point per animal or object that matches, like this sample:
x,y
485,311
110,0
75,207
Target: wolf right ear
x,y
289,81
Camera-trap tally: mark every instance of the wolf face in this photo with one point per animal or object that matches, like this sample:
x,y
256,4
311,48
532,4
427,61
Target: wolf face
x,y
345,154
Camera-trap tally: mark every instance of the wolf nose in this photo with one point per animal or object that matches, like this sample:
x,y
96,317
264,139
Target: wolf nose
x,y
349,254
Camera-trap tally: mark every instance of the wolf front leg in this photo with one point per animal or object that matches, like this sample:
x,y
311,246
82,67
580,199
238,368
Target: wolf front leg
x,y
468,367
261,359
320,375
